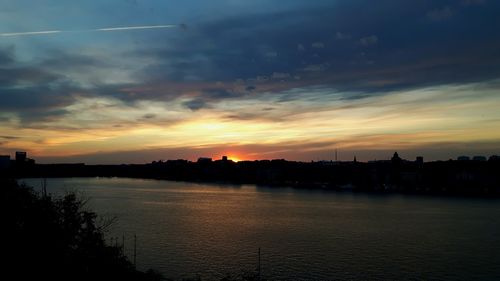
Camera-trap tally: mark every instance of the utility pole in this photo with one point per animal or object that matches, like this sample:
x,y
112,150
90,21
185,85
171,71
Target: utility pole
x,y
135,250
259,266
44,187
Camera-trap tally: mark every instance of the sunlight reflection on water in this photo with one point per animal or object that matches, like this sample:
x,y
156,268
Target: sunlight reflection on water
x,y
185,229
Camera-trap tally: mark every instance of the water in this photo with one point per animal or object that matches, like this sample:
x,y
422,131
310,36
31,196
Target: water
x,y
185,229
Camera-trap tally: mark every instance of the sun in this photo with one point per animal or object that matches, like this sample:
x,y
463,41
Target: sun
x,y
234,158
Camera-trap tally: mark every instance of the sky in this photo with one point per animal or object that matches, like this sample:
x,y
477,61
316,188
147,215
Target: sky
x,y
295,79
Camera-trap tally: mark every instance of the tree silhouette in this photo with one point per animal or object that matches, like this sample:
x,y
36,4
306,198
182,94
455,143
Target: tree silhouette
x,y
49,238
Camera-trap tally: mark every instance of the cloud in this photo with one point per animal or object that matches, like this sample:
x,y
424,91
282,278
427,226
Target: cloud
x,y
369,40
6,56
441,14
9,137
251,72
473,2
250,88
316,67
318,45
34,103
252,54
195,104
253,47
280,75
29,76
342,36
39,91
271,54
149,116
298,151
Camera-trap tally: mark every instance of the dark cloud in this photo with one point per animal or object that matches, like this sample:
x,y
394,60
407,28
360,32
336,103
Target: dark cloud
x,y
35,104
369,40
31,92
250,88
149,116
342,36
195,104
9,137
219,93
206,96
314,42
6,56
356,96
342,45
440,14
473,2
15,76
247,116
64,61
39,91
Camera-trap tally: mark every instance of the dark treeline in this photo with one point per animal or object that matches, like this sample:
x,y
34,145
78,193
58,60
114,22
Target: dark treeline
x,y
46,238
443,177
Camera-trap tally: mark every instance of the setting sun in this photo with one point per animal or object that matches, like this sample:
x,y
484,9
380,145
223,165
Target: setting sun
x,y
234,158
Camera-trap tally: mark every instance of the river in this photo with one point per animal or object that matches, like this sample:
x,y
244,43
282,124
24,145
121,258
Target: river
x,y
211,230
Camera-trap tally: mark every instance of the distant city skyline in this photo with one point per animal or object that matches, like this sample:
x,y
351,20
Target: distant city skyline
x,y
249,79
21,156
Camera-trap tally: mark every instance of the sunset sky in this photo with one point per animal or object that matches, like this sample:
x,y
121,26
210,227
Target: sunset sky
x,y
249,79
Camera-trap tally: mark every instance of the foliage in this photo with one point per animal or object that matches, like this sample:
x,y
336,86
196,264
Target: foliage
x,y
57,239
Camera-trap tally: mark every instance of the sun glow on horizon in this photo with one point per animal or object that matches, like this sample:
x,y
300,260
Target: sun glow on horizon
x,y
296,129
234,158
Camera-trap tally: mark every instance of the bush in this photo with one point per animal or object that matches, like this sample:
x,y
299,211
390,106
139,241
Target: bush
x,y
49,238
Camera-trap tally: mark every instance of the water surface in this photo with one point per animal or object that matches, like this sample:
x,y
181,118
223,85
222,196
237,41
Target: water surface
x,y
185,229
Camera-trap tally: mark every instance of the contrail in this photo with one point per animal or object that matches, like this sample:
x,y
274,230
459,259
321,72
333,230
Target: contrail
x,y
122,28
135,27
30,33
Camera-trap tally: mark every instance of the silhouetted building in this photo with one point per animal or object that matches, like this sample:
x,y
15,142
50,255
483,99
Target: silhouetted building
x,y
494,158
463,158
204,160
4,161
419,160
479,158
21,156
396,159
224,158
177,162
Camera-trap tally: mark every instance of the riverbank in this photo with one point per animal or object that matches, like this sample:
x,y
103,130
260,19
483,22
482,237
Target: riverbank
x,y
465,178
